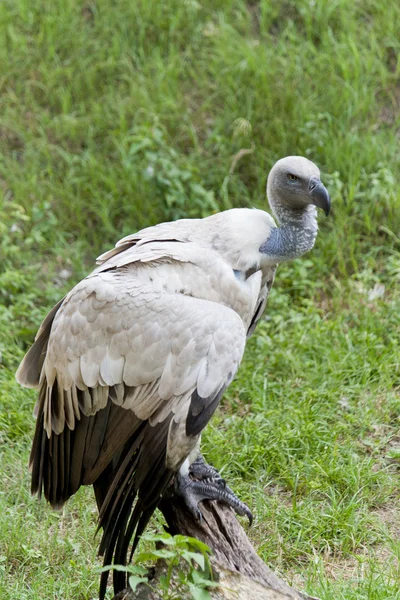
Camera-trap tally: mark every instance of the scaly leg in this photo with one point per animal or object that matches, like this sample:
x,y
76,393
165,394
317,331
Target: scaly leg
x,y
203,482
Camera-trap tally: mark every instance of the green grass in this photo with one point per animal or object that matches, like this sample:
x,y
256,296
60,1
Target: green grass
x,y
117,115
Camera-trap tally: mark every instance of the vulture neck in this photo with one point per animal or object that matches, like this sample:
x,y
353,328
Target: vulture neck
x,y
295,236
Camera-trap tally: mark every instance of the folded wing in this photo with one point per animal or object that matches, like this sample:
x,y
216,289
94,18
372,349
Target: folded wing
x,y
130,368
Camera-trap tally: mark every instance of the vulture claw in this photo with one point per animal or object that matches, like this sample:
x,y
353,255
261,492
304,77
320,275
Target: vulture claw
x,y
205,483
202,471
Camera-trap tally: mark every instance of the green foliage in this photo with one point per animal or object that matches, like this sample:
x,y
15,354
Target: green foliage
x,y
118,115
175,184
187,565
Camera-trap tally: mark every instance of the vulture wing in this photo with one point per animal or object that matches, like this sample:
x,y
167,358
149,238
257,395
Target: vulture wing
x,y
130,367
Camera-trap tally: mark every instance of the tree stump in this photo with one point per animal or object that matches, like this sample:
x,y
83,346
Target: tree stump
x,y
240,572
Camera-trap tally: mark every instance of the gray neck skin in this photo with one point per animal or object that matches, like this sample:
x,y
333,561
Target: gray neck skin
x,y
296,234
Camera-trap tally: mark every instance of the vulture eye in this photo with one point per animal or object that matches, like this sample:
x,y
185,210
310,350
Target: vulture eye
x,y
292,177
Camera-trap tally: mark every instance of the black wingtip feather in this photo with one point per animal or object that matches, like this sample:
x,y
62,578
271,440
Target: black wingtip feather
x,y
52,494
201,410
144,473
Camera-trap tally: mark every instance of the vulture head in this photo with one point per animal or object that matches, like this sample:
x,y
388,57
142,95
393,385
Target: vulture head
x,y
294,183
294,190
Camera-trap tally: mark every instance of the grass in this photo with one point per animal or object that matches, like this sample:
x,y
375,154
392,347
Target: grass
x,y
116,116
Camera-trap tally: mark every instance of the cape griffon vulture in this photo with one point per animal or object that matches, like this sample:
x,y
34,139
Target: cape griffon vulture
x,y
133,362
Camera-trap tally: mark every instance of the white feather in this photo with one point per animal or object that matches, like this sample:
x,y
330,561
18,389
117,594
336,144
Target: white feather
x,y
159,319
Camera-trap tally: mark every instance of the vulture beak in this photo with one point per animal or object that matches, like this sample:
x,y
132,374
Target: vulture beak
x,y
319,194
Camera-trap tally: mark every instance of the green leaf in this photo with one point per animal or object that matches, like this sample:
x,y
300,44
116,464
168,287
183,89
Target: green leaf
x,y
115,568
199,593
163,582
164,553
142,557
137,570
201,546
165,538
134,581
199,579
134,569
182,576
198,558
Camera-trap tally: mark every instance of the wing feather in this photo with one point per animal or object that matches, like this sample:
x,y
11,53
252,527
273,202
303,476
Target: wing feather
x,y
29,370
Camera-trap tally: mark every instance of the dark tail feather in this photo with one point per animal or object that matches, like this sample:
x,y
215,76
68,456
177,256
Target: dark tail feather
x,y
96,436
145,506
56,462
142,473
38,446
102,485
108,555
117,495
114,518
138,517
53,468
67,461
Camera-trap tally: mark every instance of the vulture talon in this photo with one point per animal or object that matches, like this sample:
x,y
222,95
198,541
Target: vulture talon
x,y
202,471
204,487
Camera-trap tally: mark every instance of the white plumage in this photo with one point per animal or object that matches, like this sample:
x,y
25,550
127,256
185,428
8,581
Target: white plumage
x,y
164,317
131,364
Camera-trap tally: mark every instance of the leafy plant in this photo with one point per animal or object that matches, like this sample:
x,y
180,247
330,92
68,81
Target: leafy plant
x,y
187,565
174,179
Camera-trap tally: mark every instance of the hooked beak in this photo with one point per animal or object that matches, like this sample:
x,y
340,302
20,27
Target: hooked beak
x,y
320,196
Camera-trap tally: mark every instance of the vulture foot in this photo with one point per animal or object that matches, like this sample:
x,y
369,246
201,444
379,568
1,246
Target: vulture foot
x,y
203,482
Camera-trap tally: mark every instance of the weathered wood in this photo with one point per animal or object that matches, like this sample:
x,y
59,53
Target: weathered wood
x,y
241,573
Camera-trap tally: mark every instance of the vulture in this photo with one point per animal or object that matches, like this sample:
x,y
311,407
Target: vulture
x,y
131,364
